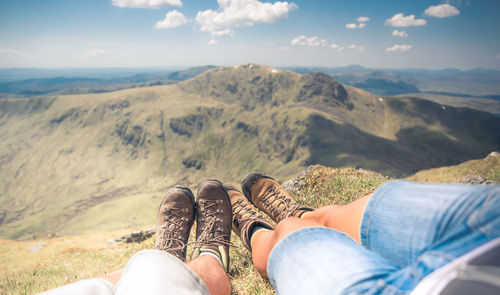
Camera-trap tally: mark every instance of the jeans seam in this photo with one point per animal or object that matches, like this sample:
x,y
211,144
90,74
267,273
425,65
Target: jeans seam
x,y
378,196
473,222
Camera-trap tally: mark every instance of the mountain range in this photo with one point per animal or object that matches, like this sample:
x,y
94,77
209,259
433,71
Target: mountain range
x,y
101,161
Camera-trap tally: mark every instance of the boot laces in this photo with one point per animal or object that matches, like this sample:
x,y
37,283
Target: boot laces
x,y
211,224
171,238
243,212
274,198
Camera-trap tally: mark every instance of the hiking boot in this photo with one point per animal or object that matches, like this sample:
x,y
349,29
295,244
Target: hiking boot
x,y
245,217
174,221
213,221
269,196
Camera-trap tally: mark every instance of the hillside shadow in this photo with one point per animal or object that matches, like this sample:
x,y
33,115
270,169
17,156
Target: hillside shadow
x,y
415,148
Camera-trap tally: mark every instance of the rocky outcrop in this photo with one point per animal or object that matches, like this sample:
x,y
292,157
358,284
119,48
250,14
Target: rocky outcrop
x,y
137,236
476,179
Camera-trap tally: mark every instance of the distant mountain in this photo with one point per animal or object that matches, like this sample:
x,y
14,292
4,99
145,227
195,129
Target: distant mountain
x,y
115,80
78,163
189,73
477,82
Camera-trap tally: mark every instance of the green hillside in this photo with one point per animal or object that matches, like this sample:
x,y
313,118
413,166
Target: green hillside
x,y
29,267
94,162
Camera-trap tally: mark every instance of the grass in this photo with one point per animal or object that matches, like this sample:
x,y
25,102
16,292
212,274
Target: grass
x,y
488,168
67,259
64,260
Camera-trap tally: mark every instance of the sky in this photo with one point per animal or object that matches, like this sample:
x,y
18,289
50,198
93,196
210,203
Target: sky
x,y
432,34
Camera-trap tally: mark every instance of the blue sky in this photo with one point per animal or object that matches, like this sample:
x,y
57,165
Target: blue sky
x,y
163,33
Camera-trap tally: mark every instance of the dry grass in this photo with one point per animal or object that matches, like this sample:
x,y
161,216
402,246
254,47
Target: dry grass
x,y
67,259
488,168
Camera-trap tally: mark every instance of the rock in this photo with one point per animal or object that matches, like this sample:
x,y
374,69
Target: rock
x,y
476,179
293,185
492,155
137,236
36,247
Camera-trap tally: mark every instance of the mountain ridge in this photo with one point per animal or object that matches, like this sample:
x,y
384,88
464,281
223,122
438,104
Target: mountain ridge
x,y
66,160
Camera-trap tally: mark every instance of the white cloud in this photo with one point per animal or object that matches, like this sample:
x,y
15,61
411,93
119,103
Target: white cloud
x,y
226,32
146,3
401,48
498,55
96,52
397,33
359,48
11,52
362,23
173,19
399,20
355,26
309,41
213,42
337,47
238,13
443,10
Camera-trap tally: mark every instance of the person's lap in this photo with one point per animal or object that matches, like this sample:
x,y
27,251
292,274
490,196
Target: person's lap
x,y
147,272
408,230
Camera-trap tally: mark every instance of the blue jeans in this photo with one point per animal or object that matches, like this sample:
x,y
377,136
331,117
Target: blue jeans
x,y
408,230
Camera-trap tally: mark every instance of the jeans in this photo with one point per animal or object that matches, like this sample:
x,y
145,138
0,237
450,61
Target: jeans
x,y
408,230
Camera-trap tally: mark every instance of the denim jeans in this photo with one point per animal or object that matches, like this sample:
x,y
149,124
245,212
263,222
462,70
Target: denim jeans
x,y
408,230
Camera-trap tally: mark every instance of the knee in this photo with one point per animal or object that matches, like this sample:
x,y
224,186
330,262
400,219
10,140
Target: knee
x,y
291,224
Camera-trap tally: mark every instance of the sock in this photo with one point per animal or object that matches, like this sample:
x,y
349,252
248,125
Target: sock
x,y
304,214
256,229
212,253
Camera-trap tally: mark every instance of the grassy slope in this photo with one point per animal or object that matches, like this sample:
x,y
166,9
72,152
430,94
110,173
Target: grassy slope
x,y
83,163
480,104
489,168
68,259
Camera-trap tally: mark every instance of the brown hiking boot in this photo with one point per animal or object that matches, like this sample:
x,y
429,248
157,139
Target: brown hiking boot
x,y
269,196
245,218
213,221
174,221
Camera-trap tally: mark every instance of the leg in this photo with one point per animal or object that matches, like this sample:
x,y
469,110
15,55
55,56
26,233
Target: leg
x,y
346,218
212,273
213,234
158,272
424,220
264,241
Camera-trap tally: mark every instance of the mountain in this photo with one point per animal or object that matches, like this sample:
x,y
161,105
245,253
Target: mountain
x,y
189,73
80,163
96,81
475,83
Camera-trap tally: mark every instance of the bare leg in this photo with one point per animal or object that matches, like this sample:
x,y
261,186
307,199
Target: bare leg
x,y
212,273
264,241
346,219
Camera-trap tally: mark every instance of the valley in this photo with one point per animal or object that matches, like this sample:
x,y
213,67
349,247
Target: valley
x,y
91,162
